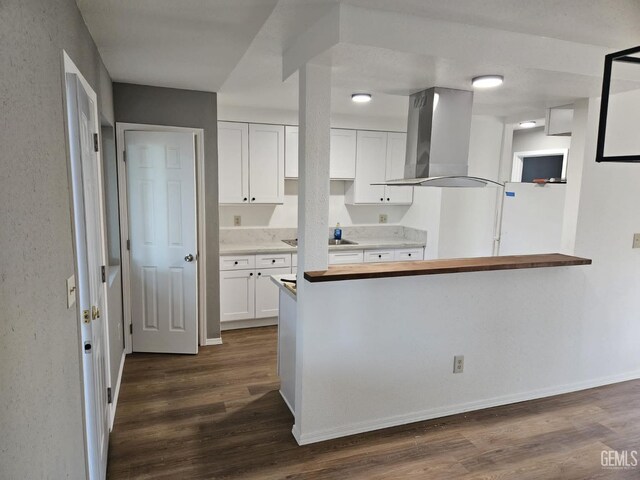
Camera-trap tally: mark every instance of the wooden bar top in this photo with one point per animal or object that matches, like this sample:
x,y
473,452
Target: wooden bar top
x,y
435,267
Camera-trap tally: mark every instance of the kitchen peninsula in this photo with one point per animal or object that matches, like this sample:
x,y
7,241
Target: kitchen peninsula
x,y
381,352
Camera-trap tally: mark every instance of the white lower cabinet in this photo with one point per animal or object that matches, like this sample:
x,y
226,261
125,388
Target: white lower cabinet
x,y
237,295
249,293
267,292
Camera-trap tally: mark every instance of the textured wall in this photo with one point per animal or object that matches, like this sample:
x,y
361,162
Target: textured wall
x,y
40,393
184,108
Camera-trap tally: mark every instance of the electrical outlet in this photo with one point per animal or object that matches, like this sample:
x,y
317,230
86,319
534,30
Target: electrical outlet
x,y
458,364
382,218
636,240
237,220
71,291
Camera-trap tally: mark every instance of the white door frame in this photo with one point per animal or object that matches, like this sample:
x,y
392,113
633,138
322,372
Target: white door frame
x,y
121,128
70,67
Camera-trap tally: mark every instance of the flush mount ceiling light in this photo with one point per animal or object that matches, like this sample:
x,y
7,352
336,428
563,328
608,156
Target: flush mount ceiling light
x,y
527,124
487,81
361,97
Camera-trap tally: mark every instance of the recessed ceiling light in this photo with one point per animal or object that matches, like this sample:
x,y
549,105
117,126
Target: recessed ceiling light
x,y
361,97
527,124
487,81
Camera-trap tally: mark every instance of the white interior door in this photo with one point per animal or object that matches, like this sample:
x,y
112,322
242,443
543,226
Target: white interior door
x,y
89,231
163,248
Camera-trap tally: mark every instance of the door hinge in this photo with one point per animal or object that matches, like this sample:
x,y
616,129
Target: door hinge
x,y
131,329
95,142
128,244
104,273
109,399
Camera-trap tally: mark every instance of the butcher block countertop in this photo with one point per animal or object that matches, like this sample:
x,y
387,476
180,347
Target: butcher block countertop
x,y
435,267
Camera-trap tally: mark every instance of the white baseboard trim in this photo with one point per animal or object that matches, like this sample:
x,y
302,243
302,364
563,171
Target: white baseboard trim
x,y
213,341
116,392
367,426
250,323
287,402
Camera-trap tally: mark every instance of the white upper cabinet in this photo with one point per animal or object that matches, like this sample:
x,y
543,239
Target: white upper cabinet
x,y
291,152
266,163
233,162
380,156
396,153
371,161
250,163
343,154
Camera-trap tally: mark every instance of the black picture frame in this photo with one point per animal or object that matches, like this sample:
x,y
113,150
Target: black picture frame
x,y
621,56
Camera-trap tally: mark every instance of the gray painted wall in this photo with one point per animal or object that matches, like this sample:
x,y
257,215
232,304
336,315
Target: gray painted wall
x,y
40,394
184,108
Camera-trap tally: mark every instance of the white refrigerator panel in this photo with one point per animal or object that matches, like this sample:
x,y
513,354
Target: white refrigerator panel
x,y
532,218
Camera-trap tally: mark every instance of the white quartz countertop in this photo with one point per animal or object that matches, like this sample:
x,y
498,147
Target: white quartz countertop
x,y
281,247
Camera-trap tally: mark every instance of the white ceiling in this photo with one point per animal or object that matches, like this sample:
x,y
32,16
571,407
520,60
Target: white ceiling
x,y
162,42
191,44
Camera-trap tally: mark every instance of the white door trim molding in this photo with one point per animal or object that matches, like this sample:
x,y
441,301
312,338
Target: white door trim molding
x,y
69,67
121,128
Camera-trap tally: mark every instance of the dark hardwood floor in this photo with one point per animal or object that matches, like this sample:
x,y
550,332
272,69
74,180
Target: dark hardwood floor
x,y
218,415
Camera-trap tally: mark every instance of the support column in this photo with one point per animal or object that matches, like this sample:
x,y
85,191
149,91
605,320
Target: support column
x,y
313,172
313,209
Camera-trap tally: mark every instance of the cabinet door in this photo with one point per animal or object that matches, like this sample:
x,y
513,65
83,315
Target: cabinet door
x,y
266,163
291,152
267,292
237,295
396,153
233,162
371,157
342,155
409,254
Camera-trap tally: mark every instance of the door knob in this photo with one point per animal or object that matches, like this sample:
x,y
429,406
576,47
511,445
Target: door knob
x,y
188,258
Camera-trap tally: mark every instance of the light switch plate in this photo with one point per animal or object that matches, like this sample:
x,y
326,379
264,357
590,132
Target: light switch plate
x,y
71,291
382,218
237,220
636,240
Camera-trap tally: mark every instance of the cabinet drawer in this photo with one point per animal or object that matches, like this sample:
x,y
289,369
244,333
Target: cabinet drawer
x,y
273,260
371,256
409,254
351,256
237,262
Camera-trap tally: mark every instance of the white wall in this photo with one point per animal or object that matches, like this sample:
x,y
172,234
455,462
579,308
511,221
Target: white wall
x,y
608,216
534,139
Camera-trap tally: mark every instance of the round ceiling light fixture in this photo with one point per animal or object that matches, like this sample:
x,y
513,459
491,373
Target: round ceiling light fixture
x,y
361,97
487,81
527,124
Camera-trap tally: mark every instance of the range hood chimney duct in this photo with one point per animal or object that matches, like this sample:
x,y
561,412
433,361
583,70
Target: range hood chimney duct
x,y
438,132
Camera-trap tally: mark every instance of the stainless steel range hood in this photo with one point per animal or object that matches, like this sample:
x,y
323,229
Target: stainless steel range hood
x,y
438,130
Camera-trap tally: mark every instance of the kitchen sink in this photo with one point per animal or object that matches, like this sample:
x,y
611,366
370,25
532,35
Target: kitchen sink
x,y
332,241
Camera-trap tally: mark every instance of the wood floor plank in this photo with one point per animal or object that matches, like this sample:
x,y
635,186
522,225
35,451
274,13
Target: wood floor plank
x,y
219,415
